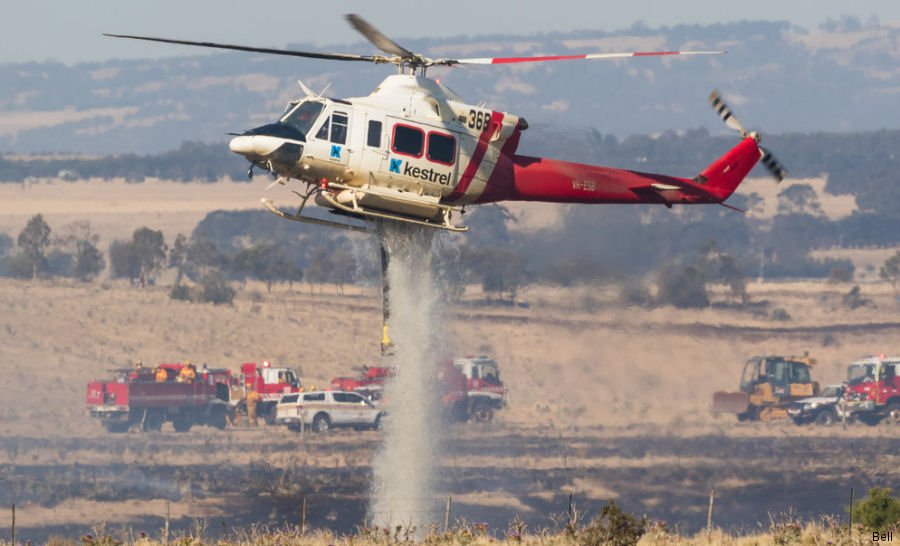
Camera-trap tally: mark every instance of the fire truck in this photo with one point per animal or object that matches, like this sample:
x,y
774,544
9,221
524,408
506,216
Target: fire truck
x,y
145,398
470,387
270,382
873,390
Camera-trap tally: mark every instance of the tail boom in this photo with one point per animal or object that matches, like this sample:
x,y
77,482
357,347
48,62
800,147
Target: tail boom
x,y
537,179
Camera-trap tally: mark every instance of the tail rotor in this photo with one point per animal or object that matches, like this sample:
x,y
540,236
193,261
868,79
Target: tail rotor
x,y
732,122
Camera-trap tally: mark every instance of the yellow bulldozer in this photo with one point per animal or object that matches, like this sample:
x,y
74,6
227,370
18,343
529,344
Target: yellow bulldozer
x,y
768,385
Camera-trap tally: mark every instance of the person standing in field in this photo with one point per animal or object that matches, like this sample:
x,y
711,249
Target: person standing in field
x,y
251,401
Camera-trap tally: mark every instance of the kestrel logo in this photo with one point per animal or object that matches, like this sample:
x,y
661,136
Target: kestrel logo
x,y
398,166
335,152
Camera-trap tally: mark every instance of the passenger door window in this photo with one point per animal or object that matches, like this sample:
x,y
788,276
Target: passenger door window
x,y
408,140
441,148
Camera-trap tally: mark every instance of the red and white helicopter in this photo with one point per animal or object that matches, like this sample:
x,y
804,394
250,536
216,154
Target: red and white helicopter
x,y
415,151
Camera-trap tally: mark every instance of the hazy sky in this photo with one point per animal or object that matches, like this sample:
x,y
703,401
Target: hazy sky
x,y
69,31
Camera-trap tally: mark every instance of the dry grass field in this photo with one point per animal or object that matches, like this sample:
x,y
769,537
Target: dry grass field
x,y
606,401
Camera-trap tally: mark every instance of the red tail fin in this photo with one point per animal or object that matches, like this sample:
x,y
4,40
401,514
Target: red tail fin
x,y
723,176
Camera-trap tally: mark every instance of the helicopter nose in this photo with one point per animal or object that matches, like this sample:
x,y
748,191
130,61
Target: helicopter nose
x,y
243,145
255,146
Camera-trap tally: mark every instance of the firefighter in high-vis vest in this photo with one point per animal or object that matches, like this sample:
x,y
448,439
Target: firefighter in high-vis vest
x,y
252,400
188,373
161,375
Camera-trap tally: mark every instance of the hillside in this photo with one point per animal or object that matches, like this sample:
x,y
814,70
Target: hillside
x,y
840,77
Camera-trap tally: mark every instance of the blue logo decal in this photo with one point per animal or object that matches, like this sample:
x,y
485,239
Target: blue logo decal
x,y
395,165
335,151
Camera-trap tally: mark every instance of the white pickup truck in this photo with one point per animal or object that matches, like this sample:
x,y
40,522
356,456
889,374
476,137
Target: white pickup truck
x,y
322,410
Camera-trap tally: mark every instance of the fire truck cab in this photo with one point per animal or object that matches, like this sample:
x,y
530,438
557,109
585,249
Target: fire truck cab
x,y
873,390
271,383
486,392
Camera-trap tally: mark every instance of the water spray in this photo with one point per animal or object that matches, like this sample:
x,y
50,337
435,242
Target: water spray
x,y
404,465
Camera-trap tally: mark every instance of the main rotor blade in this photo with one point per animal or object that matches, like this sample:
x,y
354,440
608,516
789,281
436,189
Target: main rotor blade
x,y
290,52
381,41
726,114
505,60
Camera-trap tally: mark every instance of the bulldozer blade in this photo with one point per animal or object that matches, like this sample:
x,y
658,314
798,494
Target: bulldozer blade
x,y
730,402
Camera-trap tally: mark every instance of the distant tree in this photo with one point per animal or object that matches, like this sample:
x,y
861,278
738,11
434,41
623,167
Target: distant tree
x,y
6,243
33,241
890,271
839,274
149,249
682,286
854,299
320,266
725,268
89,261
498,269
265,263
124,260
58,263
799,199
448,272
178,256
635,293
215,289
17,266
180,292
571,271
203,256
343,266
86,261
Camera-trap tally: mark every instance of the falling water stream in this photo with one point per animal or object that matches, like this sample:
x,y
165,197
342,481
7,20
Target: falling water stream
x,y
404,466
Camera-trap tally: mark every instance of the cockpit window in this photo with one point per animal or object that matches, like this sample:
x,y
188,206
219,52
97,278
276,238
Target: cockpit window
x,y
302,117
323,130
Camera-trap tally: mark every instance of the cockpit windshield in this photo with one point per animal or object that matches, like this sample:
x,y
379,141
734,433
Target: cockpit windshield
x,y
302,117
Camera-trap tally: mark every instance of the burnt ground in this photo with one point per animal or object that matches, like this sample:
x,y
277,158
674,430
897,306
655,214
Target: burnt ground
x,y
494,474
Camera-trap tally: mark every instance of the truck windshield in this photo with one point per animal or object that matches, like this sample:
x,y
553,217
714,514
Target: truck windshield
x,y
859,373
303,116
491,373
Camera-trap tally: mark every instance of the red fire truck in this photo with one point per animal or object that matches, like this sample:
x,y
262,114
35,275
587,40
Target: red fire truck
x,y
270,382
485,391
146,398
470,386
873,390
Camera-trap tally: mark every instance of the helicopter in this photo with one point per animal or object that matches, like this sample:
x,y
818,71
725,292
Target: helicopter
x,y
414,151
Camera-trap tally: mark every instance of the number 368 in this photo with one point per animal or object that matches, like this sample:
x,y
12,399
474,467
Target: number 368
x,y
479,120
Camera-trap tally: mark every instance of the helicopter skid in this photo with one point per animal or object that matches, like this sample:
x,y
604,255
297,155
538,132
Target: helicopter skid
x,y
386,204
270,206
